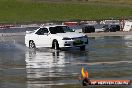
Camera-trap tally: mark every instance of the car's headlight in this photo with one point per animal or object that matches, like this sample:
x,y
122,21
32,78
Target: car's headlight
x,y
85,36
66,38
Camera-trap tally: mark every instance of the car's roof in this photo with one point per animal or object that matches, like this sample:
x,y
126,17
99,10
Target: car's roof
x,y
47,26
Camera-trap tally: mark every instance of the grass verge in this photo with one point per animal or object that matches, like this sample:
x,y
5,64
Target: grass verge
x,y
14,11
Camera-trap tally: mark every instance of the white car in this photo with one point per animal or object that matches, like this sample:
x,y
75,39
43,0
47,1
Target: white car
x,y
56,37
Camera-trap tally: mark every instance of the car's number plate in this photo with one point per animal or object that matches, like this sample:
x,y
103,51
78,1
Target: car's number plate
x,y
78,42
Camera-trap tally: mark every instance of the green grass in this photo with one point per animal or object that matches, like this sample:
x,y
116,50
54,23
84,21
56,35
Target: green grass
x,y
114,1
14,11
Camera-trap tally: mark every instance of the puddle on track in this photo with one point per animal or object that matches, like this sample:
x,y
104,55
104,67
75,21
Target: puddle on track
x,y
104,58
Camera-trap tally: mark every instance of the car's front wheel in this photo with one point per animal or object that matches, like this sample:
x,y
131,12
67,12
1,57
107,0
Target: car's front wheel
x,y
55,45
32,44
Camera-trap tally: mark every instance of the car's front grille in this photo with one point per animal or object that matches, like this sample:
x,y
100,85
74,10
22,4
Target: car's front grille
x,y
67,44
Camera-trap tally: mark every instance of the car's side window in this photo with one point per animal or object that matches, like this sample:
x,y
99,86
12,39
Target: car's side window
x,y
52,30
57,29
41,31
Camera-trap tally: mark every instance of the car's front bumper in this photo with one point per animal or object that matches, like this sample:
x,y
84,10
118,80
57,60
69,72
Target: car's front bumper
x,y
73,43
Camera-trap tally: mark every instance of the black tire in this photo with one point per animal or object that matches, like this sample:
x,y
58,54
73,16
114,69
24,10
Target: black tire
x,y
86,82
55,45
32,44
82,48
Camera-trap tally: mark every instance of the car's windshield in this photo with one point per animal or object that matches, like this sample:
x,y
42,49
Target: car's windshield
x,y
67,29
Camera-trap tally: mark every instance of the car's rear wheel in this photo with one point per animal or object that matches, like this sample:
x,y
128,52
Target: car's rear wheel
x,y
55,45
82,48
32,44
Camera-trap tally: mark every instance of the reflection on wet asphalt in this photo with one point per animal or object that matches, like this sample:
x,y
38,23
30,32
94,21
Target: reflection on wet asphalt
x,y
104,58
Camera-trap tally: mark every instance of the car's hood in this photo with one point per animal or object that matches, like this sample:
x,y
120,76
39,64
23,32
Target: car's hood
x,y
71,34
